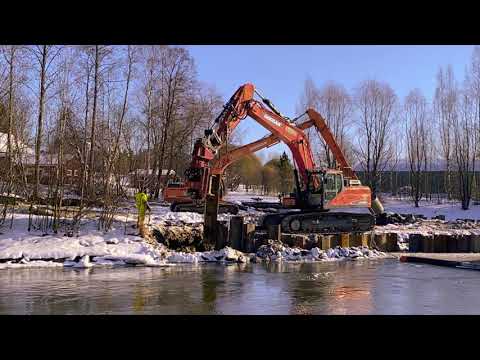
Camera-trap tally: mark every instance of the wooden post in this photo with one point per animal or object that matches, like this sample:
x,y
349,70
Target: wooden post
x,y
366,239
475,243
222,236
463,243
392,242
326,242
415,243
211,211
381,241
356,239
236,232
248,238
275,232
427,243
440,243
452,244
345,240
335,240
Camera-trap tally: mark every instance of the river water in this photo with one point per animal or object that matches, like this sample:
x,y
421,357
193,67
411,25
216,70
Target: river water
x,y
351,287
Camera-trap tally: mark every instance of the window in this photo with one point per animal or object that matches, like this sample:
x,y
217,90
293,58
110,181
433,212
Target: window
x,y
69,172
75,172
338,182
333,185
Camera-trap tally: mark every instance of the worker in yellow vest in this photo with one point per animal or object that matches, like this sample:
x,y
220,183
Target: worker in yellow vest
x,y
141,201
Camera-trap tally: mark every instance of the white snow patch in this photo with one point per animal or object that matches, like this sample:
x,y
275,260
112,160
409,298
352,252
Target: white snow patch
x,y
451,210
30,264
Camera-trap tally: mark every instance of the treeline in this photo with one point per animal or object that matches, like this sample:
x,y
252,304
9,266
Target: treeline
x,y
376,130
97,113
273,177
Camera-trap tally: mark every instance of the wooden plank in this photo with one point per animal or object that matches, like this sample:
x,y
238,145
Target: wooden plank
x,y
441,262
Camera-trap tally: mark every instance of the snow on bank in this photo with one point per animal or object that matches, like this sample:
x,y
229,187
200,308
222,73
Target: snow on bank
x,y
121,247
92,248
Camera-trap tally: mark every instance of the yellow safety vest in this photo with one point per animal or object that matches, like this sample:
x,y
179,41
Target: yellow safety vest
x,y
141,202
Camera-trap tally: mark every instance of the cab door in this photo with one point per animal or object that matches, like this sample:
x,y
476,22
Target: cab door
x,y
332,186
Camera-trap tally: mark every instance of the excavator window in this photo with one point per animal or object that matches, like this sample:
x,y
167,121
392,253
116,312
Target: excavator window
x,y
333,185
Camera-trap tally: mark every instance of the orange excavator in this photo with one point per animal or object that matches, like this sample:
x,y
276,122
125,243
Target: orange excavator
x,y
190,197
325,200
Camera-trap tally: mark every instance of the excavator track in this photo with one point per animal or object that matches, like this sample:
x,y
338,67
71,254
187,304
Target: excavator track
x,y
321,222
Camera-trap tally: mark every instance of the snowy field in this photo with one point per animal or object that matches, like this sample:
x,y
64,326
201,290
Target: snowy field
x,y
238,196
452,210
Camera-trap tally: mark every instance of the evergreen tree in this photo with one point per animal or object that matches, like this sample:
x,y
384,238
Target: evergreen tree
x,y
285,171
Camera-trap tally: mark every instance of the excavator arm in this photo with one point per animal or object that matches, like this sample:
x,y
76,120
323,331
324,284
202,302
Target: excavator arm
x,y
241,105
210,165
220,164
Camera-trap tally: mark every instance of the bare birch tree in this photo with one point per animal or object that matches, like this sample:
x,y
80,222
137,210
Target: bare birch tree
x,y
335,104
465,146
417,142
176,78
445,110
44,58
375,103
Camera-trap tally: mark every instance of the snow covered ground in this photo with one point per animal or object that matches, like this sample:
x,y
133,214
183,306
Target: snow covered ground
x,y
239,196
120,246
452,210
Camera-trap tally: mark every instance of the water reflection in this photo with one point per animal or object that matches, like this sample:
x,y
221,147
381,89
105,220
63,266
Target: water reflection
x,y
363,287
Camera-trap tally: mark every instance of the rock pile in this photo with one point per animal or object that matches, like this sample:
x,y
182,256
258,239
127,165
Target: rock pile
x,y
395,218
226,254
275,251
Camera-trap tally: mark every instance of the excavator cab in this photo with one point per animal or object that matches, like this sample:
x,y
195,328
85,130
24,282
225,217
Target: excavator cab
x,y
323,185
333,184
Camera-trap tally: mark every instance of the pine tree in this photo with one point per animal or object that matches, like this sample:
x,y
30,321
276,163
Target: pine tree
x,y
285,171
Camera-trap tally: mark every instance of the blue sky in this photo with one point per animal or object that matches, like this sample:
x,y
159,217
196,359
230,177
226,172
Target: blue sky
x,y
279,72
